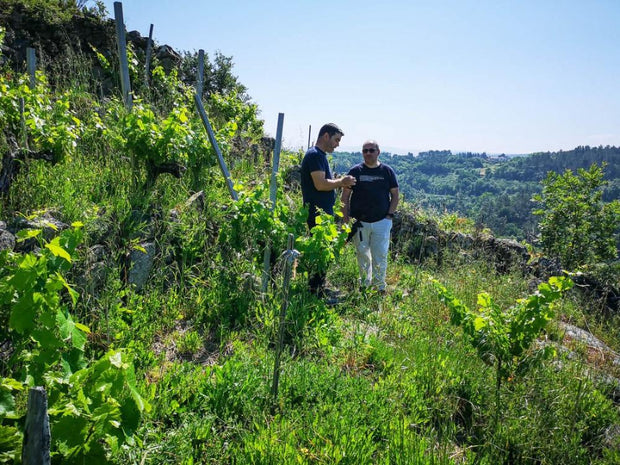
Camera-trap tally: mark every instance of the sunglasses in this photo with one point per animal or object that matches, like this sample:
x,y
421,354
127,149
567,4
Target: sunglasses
x,y
369,150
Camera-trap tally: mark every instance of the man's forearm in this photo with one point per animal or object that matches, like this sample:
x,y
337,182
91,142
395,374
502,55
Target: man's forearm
x,y
345,199
321,183
393,202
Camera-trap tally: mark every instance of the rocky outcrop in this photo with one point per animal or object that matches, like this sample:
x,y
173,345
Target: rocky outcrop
x,y
420,239
141,262
80,33
7,239
31,26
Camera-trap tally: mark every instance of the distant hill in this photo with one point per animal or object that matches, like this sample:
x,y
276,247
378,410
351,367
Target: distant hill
x,y
493,190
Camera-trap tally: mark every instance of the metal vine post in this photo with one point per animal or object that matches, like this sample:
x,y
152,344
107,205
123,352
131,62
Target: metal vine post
x,y
220,157
121,42
290,255
147,59
31,63
201,72
273,192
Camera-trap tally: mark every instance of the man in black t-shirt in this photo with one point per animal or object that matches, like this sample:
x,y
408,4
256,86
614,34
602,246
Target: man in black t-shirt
x,y
372,201
317,185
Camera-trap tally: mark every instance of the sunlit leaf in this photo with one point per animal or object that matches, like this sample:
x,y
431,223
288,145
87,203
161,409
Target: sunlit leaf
x,y
58,251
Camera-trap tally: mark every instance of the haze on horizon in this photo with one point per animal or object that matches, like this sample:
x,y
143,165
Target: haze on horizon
x,y
489,76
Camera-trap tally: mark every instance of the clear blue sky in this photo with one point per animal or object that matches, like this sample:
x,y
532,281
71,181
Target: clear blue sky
x,y
470,75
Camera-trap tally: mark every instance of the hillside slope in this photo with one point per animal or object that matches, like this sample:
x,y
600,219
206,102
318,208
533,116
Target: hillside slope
x,y
132,294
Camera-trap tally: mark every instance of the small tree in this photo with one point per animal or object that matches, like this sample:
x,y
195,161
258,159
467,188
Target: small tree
x,y
504,337
576,226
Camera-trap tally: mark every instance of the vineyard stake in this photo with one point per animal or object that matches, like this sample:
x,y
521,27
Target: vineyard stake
x,y
31,62
273,192
147,59
37,437
220,158
122,54
289,256
201,72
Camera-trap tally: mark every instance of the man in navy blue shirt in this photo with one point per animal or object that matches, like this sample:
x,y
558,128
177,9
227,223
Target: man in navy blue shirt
x,y
317,185
372,201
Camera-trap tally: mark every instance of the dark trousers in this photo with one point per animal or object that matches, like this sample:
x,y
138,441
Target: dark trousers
x,y
316,281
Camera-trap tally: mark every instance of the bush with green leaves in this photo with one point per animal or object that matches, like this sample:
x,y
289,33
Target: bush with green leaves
x,y
170,138
576,226
35,316
503,337
253,222
94,408
39,119
323,245
156,143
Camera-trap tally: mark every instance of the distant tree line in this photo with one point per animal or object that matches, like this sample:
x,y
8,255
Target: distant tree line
x,y
497,191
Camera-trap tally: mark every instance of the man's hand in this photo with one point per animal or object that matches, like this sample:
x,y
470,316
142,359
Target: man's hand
x,y
347,181
321,183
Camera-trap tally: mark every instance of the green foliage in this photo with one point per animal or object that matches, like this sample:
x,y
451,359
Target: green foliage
x,y
218,77
576,225
52,12
324,244
93,408
155,141
10,443
166,90
503,338
47,123
189,342
230,113
454,222
169,137
39,323
253,222
96,410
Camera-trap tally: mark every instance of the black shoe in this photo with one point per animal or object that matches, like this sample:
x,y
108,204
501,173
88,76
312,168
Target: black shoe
x,y
331,292
331,301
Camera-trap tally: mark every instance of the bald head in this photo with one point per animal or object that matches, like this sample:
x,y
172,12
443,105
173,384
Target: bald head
x,y
371,143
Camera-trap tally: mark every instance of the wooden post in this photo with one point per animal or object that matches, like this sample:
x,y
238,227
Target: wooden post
x,y
121,42
273,192
37,437
31,63
220,158
147,60
201,71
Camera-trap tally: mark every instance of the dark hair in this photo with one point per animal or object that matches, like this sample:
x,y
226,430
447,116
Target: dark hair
x,y
331,129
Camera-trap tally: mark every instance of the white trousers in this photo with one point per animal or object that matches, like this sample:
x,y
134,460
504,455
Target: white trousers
x,y
372,243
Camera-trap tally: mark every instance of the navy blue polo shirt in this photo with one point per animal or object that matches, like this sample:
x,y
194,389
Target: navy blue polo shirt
x,y
370,200
316,160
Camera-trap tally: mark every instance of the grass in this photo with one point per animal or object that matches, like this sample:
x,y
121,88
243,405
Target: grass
x,y
375,380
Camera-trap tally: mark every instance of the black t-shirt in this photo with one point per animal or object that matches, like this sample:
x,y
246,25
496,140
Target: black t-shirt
x,y
370,200
316,160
